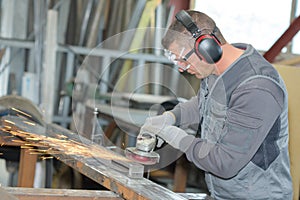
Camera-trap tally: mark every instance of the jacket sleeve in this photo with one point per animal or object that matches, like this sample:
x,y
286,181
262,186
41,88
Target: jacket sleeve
x,y
187,113
253,110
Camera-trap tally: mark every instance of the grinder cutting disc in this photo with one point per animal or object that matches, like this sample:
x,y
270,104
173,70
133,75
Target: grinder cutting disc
x,y
145,158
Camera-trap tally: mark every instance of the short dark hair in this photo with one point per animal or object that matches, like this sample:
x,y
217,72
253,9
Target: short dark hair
x,y
203,21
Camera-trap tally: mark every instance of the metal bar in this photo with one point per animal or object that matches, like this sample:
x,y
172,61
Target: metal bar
x,y
112,53
62,119
39,17
6,30
63,8
54,194
174,80
86,17
16,43
50,66
179,5
139,77
102,52
68,76
157,72
6,195
49,173
285,38
137,13
104,76
92,39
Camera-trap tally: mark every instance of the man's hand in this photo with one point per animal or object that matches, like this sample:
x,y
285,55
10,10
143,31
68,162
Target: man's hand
x,y
171,134
161,121
158,123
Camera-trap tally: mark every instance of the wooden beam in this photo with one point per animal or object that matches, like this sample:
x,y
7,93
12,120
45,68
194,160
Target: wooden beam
x,y
26,168
180,175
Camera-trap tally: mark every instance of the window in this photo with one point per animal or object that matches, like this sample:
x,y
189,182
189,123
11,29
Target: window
x,y
258,22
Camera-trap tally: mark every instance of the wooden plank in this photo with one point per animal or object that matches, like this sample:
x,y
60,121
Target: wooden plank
x,y
180,175
59,194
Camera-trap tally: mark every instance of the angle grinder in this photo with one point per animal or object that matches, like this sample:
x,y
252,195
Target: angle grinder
x,y
143,151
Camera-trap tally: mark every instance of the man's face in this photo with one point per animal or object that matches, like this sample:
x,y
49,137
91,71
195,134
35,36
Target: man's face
x,y
187,60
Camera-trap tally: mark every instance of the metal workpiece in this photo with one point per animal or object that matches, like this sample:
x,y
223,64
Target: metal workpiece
x,y
53,194
5,195
102,164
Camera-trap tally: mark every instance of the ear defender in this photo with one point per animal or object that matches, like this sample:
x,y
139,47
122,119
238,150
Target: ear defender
x,y
207,46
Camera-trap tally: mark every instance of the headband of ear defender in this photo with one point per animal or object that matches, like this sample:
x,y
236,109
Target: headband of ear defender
x,y
207,46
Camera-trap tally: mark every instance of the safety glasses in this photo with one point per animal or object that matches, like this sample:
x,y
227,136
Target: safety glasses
x,y
179,59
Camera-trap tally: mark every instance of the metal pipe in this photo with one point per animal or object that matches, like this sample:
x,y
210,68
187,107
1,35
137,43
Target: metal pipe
x,y
113,53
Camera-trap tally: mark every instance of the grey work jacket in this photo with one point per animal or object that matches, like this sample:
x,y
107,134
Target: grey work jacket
x,y
243,144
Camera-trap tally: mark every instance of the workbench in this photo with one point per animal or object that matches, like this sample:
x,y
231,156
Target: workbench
x,y
104,166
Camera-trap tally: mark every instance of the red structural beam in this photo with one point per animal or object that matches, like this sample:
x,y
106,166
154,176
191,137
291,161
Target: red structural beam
x,y
179,5
286,37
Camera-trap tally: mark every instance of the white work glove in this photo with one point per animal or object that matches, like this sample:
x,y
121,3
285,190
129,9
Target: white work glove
x,y
171,134
159,122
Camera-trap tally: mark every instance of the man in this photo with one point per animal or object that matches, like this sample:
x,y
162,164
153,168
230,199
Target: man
x,y
241,112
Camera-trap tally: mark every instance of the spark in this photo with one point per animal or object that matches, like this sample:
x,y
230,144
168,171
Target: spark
x,y
18,141
10,122
33,138
61,136
46,157
8,136
59,145
15,109
29,123
25,147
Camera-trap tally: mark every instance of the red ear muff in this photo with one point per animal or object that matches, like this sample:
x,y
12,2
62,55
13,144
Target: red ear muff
x,y
208,48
